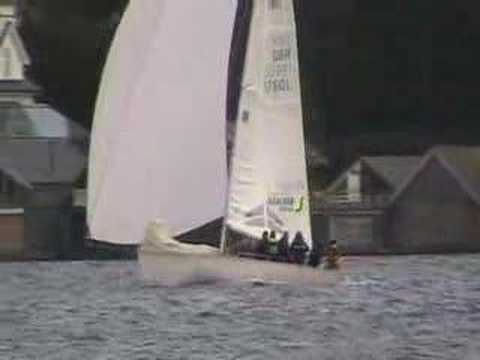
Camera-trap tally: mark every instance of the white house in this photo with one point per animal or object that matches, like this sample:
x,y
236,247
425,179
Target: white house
x,y
41,156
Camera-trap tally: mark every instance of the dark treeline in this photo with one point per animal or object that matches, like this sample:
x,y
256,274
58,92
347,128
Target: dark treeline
x,y
367,66
68,42
391,65
388,77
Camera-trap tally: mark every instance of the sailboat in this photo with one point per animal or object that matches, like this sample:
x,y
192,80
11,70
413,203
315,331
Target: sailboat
x,y
158,163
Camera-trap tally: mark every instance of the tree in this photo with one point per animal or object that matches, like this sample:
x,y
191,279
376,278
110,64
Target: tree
x,y
68,42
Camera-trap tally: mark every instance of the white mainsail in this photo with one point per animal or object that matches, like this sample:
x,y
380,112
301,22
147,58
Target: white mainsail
x,y
158,143
268,181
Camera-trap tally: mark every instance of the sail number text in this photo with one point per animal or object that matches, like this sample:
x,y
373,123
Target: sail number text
x,y
277,86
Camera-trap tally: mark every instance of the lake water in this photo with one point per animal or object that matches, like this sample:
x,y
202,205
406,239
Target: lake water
x,y
381,308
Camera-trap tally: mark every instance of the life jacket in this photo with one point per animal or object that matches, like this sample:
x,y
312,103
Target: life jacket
x,y
298,250
298,246
272,246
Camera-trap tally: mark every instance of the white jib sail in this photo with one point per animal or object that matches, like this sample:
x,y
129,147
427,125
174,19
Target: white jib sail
x,y
124,63
158,143
268,181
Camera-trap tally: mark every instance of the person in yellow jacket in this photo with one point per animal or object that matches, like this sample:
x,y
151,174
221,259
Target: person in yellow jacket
x,y
272,247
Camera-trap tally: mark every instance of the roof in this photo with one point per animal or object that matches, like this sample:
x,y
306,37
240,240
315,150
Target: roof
x,y
50,123
41,161
462,162
18,86
37,121
6,167
7,27
38,145
393,169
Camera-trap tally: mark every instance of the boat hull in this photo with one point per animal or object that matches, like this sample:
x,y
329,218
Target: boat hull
x,y
100,250
179,268
170,262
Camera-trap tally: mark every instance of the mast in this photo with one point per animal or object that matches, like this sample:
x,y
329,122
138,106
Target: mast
x,y
236,68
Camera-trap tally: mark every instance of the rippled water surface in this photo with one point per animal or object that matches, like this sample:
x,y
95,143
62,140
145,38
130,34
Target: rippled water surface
x,y
376,308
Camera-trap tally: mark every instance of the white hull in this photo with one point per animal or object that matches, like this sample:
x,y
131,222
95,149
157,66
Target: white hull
x,y
172,268
172,263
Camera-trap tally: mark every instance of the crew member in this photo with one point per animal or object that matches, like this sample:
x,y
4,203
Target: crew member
x,y
332,255
263,245
283,247
272,247
314,257
298,249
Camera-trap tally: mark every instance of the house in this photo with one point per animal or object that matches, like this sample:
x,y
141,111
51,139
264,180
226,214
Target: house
x,y
40,159
438,208
352,209
42,153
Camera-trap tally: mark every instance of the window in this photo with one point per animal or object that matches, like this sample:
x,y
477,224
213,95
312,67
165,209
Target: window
x,y
6,187
14,121
245,116
274,5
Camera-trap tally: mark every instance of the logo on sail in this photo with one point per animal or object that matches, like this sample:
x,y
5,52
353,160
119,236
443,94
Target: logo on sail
x,y
262,217
287,203
301,204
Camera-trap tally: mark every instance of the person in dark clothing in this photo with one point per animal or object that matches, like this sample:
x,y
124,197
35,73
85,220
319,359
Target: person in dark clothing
x,y
283,246
263,245
273,236
298,249
314,258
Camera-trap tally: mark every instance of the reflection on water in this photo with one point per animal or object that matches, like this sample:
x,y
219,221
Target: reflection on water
x,y
378,308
